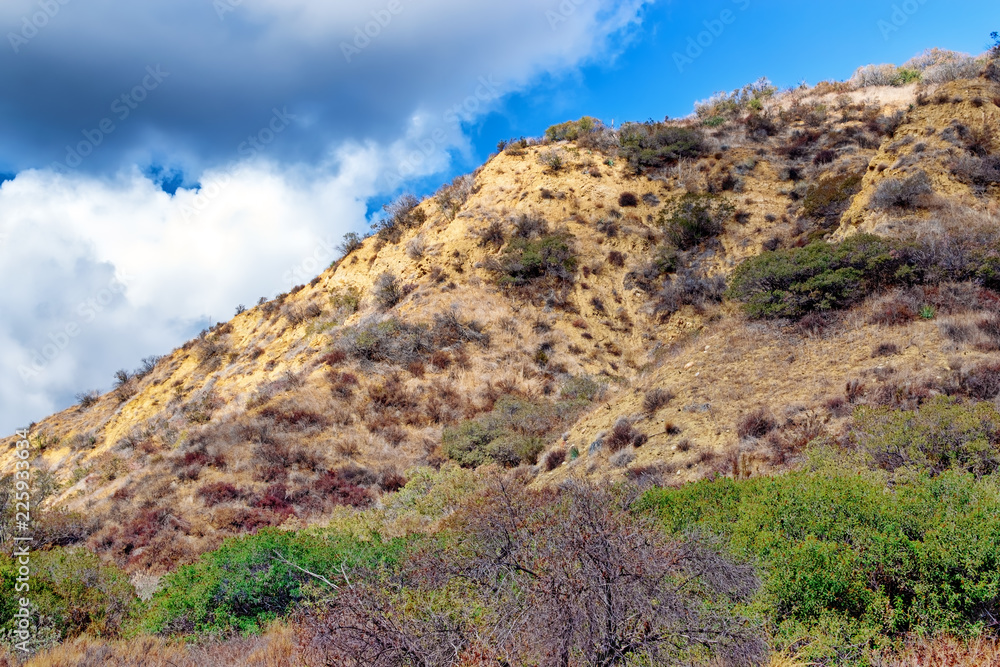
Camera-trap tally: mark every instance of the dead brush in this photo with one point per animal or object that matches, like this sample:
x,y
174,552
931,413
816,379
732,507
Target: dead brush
x,y
854,390
623,434
755,424
893,309
553,459
655,399
944,650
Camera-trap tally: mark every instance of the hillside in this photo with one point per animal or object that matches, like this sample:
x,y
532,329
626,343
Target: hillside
x,y
659,303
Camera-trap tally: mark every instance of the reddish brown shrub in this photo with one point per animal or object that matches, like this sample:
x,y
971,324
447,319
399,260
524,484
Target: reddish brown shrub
x,y
395,435
390,395
275,499
623,434
293,418
656,399
838,406
389,480
337,487
333,358
342,384
140,531
825,156
755,424
554,458
219,492
853,390
271,473
885,350
440,360
243,520
197,458
813,323
983,381
890,311
60,528
627,199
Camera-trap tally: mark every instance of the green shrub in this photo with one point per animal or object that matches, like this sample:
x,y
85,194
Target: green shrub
x,y
820,276
653,145
850,561
748,98
244,583
940,435
74,589
581,387
693,218
906,76
829,197
528,259
571,130
514,432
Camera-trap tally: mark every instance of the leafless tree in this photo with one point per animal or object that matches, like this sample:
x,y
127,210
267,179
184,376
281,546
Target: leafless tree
x,y
554,577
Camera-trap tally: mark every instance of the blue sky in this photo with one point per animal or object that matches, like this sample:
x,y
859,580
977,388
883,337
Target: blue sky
x,y
788,42
163,161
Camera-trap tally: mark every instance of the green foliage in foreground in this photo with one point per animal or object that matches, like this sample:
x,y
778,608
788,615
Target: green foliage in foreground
x,y
71,592
851,561
942,434
244,584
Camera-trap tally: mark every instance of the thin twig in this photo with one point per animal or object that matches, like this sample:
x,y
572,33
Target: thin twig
x,y
311,574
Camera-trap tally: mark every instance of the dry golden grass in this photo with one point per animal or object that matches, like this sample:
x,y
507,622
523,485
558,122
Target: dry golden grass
x,y
944,652
733,366
923,128
275,648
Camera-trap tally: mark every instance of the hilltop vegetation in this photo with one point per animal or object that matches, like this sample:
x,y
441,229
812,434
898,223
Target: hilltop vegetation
x,y
717,390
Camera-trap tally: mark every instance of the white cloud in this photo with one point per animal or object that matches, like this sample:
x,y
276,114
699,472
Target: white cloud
x,y
98,273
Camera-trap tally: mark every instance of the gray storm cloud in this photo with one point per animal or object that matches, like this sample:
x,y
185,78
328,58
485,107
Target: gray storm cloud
x,y
79,71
